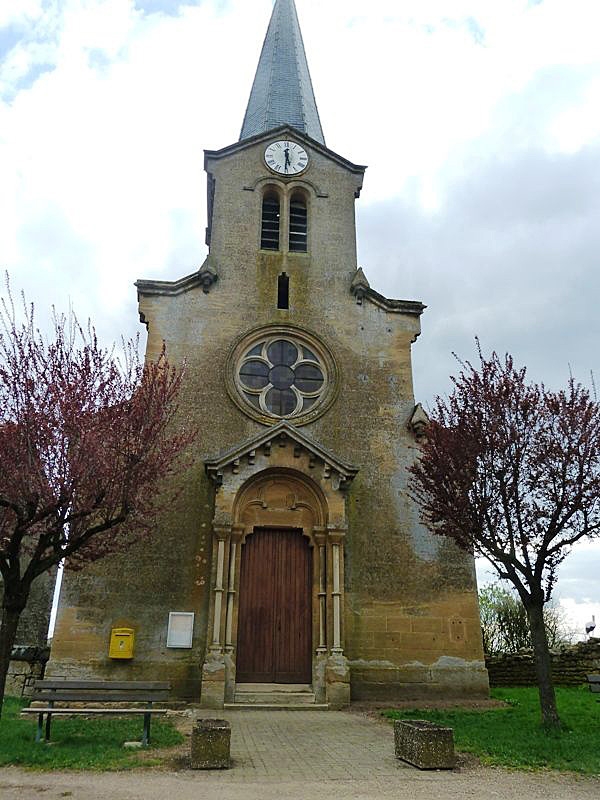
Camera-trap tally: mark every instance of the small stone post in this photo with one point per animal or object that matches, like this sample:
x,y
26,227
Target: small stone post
x,y
211,743
424,744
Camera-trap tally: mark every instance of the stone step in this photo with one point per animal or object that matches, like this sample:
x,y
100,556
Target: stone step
x,y
273,687
275,698
276,707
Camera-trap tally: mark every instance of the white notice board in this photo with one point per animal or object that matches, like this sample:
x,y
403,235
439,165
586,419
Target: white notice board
x,y
181,629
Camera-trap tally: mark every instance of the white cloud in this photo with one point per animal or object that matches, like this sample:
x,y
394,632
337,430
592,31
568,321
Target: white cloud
x,y
20,12
478,118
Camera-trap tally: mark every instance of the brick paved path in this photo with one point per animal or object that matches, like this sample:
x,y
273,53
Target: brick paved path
x,y
308,745
301,755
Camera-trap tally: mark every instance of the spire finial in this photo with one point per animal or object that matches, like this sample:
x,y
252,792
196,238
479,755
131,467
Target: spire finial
x,y
282,93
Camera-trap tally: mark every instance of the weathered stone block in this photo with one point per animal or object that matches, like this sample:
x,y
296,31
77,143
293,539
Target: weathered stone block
x,y
211,744
424,744
214,681
398,624
337,682
427,625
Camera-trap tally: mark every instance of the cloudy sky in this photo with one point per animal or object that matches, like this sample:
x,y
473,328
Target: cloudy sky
x,y
479,120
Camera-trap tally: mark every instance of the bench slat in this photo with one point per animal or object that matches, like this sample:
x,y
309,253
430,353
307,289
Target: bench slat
x,y
100,697
94,710
65,710
106,685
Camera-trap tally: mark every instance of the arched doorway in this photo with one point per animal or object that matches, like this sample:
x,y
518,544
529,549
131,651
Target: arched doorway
x,y
280,505
274,642
278,602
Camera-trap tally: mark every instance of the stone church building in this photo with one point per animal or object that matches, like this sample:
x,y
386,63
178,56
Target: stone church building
x,y
292,563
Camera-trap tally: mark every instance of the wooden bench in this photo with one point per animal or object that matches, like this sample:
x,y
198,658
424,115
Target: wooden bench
x,y
50,692
593,683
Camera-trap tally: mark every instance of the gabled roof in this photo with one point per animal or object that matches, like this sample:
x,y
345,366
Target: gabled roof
x,y
279,133
283,430
282,92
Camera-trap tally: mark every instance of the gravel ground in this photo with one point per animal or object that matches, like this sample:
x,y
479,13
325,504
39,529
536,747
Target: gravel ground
x,y
299,755
479,783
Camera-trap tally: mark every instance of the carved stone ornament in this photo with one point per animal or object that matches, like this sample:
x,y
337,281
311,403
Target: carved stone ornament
x,y
419,423
359,286
208,276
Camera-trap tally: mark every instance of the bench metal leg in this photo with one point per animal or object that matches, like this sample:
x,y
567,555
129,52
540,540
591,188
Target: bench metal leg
x,y
146,736
48,720
40,727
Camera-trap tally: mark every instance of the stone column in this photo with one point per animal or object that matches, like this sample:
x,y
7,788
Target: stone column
x,y
321,655
337,675
218,590
230,596
214,667
321,544
336,595
232,581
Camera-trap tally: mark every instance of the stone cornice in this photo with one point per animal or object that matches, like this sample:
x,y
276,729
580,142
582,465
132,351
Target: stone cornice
x,y
361,289
150,287
205,278
274,133
283,431
413,307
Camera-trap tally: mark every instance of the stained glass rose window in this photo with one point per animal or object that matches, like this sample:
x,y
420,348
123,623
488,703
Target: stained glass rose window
x,y
281,377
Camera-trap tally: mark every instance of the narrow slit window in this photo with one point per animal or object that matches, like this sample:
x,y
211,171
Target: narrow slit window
x,y
269,238
283,291
298,224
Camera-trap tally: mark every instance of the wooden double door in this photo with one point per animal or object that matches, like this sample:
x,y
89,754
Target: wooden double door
x,y
274,643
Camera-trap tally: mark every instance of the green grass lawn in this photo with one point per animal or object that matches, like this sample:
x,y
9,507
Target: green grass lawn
x,y
76,743
513,736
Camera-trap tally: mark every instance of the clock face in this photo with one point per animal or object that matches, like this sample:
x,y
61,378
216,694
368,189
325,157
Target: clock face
x,y
286,158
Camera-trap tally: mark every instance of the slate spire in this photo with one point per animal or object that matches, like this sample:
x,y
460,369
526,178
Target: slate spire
x,y
282,93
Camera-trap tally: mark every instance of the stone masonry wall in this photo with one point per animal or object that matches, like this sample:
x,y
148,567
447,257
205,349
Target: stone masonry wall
x,y
570,665
30,652
27,665
35,619
411,616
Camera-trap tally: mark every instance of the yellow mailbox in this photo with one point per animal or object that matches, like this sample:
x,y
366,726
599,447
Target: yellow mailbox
x,y
121,643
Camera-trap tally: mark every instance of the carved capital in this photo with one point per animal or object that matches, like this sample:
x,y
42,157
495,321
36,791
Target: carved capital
x,y
336,535
237,533
222,532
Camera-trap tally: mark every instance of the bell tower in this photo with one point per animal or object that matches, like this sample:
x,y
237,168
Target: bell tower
x,y
293,550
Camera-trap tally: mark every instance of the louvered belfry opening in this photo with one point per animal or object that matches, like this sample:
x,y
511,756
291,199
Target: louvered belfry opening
x,y
269,239
298,224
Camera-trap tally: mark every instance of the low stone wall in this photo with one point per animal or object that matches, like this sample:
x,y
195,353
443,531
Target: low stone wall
x,y
26,666
570,665
447,677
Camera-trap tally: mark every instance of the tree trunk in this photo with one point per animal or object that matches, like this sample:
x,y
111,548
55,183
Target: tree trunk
x,y
543,667
11,614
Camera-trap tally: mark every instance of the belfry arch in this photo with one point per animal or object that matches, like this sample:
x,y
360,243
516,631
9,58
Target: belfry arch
x,y
286,496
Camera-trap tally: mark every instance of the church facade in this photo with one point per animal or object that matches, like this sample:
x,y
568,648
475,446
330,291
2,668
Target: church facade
x,y
293,555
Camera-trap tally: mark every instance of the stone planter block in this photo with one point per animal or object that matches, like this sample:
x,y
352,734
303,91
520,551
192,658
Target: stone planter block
x,y
424,744
211,742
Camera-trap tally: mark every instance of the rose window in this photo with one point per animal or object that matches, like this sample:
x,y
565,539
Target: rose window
x,y
281,377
